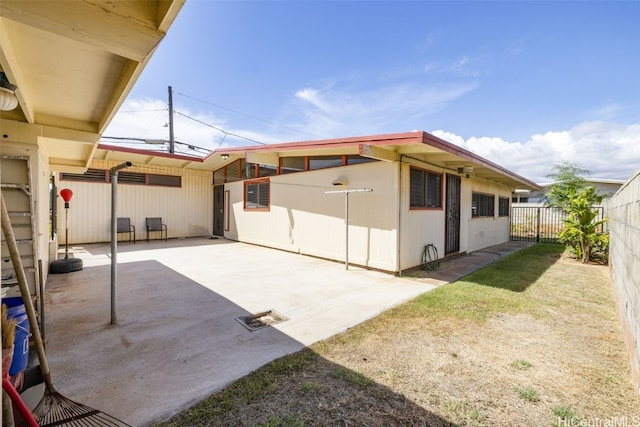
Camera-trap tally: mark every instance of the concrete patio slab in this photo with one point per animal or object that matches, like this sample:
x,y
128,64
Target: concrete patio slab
x,y
177,339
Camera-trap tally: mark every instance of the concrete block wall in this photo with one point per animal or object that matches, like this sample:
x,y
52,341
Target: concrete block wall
x,y
624,258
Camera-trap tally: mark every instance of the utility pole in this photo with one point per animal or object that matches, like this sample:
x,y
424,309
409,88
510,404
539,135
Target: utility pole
x,y
171,139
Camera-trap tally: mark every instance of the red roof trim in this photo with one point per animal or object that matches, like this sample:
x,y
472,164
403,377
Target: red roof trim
x,y
443,145
384,139
406,138
149,153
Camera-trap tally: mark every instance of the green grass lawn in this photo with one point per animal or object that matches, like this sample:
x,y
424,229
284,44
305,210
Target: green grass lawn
x,y
532,339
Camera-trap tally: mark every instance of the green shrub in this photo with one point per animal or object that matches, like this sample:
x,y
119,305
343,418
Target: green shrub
x,y
600,248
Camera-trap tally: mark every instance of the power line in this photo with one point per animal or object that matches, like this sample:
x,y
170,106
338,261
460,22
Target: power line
x,y
218,129
142,111
224,132
142,141
244,114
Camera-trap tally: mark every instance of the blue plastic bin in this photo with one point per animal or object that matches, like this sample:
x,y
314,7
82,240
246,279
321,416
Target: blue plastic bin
x,y
16,310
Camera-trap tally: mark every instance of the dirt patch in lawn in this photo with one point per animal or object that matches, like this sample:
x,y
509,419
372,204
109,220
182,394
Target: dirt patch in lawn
x,y
552,356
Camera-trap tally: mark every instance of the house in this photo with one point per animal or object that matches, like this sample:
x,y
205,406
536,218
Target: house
x,y
603,187
534,220
66,68
398,192
70,71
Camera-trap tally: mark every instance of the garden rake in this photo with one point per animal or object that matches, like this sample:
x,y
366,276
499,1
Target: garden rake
x,y
54,409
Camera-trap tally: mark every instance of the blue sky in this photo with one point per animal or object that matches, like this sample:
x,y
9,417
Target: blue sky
x,y
524,84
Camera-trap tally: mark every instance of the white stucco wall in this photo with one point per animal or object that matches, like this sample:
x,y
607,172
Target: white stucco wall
x,y
419,227
303,218
483,232
187,211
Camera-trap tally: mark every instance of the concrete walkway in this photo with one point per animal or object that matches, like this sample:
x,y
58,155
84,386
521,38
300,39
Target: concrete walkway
x,y
178,338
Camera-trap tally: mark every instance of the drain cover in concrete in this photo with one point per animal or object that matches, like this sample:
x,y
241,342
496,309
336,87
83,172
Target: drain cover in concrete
x,y
260,320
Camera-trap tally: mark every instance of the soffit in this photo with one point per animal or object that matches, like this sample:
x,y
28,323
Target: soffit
x,y
418,148
74,62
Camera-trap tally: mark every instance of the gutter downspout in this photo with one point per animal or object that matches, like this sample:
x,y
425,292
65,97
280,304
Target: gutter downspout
x,y
398,239
114,236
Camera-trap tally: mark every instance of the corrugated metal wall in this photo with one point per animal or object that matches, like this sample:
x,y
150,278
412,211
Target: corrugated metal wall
x,y
187,211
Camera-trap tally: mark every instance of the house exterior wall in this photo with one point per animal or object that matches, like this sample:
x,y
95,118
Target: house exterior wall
x,y
22,141
303,218
483,232
428,226
624,255
187,211
419,227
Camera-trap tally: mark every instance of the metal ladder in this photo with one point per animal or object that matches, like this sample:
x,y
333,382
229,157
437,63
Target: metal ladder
x,y
17,190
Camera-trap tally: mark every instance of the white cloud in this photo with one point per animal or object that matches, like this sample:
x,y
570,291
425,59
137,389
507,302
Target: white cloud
x,y
314,97
332,113
516,47
148,119
608,111
464,66
607,150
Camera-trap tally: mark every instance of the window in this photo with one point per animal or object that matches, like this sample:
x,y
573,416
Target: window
x,y
92,175
240,169
219,176
267,170
321,162
354,160
482,205
137,178
250,170
503,206
292,164
165,180
234,171
256,195
426,189
131,178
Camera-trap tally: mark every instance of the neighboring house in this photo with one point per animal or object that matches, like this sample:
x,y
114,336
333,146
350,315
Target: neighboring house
x,y
291,196
533,219
604,187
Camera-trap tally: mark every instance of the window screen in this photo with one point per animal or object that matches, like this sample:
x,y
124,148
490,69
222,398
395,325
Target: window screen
x,y
256,195
482,205
425,189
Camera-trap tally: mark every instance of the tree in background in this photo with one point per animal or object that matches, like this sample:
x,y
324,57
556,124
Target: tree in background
x,y
567,180
571,193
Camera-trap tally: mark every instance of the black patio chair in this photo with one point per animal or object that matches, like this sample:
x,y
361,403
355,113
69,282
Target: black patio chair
x,y
155,224
125,226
